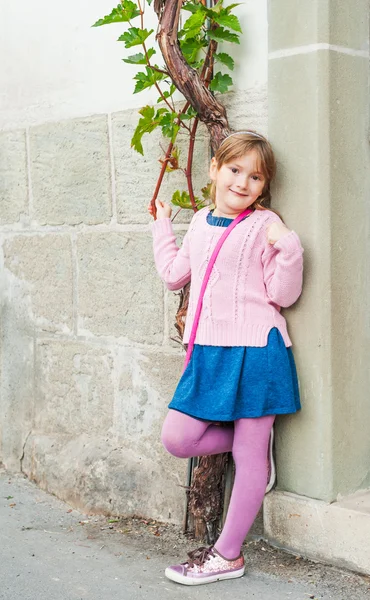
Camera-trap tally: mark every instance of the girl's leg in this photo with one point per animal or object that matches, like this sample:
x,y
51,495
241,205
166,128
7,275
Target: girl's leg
x,y
185,436
250,447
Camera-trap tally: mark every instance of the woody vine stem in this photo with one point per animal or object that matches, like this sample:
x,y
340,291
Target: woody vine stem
x,y
189,47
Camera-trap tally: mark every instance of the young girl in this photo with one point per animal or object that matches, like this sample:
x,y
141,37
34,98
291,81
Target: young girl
x,y
242,369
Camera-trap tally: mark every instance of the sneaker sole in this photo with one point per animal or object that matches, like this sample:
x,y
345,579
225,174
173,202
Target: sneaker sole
x,y
202,581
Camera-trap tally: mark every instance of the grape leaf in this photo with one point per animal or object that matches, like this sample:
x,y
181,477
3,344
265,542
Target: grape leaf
x,y
167,94
223,35
147,79
231,6
182,199
230,21
221,83
148,122
122,14
190,6
134,36
225,59
193,25
169,127
139,59
206,191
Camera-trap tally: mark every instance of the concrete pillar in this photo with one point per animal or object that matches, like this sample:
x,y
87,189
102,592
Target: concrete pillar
x,y
319,125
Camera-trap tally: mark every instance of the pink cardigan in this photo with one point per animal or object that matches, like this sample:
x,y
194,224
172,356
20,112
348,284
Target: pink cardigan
x,y
249,283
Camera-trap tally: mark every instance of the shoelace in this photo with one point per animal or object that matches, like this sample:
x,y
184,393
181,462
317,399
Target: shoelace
x,y
199,556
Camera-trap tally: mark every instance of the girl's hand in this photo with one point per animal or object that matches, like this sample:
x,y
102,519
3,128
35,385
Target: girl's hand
x,y
163,209
275,231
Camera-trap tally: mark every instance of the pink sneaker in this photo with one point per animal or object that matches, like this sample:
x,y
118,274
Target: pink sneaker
x,y
206,565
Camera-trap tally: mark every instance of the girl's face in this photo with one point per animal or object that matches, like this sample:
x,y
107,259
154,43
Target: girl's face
x,y
238,184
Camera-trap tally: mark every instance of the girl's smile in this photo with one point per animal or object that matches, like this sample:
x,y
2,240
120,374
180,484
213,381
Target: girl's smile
x,y
238,184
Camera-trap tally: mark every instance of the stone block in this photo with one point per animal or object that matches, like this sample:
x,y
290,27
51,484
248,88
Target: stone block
x,y
136,175
99,477
70,172
247,109
297,24
350,288
336,533
115,469
74,388
43,265
301,192
13,177
294,24
119,291
16,370
143,395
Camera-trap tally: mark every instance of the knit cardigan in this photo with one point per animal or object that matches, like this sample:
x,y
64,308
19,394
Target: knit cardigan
x,y
250,281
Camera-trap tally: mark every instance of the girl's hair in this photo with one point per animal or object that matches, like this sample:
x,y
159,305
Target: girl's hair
x,y
237,145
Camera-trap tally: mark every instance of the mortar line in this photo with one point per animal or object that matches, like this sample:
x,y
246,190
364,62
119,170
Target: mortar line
x,y
309,48
29,179
109,342
82,228
112,171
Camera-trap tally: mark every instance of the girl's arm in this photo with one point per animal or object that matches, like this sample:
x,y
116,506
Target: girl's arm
x,y
172,262
283,267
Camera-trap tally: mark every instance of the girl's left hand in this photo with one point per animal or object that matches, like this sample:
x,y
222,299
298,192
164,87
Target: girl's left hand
x,y
275,231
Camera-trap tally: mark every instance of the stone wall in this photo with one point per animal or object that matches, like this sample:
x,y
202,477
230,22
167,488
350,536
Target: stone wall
x,y
87,360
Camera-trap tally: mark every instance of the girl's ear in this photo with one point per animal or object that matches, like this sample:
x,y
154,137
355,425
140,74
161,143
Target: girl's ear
x,y
213,169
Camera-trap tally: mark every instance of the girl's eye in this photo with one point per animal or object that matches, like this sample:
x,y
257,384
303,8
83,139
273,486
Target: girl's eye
x,y
234,169
256,178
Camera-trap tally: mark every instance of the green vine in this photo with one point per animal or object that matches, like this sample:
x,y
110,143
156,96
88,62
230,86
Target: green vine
x,y
198,39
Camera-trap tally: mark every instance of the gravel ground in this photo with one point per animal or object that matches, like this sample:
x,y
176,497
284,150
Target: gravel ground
x,y
50,551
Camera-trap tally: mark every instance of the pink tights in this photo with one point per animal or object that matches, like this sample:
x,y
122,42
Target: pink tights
x,y
247,439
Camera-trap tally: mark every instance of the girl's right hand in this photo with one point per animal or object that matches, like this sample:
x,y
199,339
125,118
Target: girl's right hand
x,y
164,211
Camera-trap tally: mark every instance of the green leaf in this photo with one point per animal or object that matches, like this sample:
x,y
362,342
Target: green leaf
x,y
191,47
148,122
122,14
139,59
182,199
147,79
206,191
225,59
231,6
221,83
149,2
193,25
185,117
191,7
169,127
230,21
223,35
170,92
167,94
191,112
134,36
196,20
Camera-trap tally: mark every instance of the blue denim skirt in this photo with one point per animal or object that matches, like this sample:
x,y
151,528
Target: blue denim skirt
x,y
226,383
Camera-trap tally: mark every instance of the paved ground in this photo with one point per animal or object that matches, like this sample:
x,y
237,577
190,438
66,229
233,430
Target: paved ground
x,y
50,552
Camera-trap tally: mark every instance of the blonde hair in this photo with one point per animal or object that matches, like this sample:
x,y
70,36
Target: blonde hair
x,y
238,144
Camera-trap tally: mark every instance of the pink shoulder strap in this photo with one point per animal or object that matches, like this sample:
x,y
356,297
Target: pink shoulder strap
x,y
212,261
